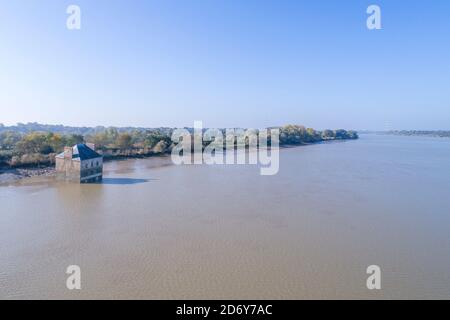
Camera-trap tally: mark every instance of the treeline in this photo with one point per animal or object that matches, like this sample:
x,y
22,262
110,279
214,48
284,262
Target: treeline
x,y
30,127
39,148
295,134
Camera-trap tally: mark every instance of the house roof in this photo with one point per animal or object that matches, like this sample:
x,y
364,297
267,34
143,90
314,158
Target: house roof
x,y
81,152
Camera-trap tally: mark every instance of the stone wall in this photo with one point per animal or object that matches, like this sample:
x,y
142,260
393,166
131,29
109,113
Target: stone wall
x,y
68,169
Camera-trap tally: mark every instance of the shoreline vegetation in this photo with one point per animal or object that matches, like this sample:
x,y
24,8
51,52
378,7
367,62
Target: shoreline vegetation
x,y
421,133
30,149
412,133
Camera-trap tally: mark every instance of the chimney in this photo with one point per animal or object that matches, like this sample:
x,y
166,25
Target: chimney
x,y
68,152
91,146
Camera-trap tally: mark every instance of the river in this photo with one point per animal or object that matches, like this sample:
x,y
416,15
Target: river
x,y
153,230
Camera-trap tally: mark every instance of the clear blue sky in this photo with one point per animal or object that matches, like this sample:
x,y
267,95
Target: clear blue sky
x,y
247,63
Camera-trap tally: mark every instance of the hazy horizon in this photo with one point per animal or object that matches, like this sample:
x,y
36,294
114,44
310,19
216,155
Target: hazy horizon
x,y
227,63
191,126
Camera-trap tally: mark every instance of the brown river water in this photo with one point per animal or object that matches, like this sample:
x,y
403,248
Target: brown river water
x,y
153,230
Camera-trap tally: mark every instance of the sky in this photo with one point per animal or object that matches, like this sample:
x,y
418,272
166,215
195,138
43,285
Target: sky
x,y
228,63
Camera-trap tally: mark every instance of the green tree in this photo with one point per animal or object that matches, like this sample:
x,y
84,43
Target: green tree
x,y
328,134
34,142
124,141
153,138
100,139
111,135
73,139
54,143
9,139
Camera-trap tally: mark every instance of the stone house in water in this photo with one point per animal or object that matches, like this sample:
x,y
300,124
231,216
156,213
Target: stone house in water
x,y
80,163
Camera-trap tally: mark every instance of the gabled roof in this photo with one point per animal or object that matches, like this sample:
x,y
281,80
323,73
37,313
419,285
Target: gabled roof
x,y
81,152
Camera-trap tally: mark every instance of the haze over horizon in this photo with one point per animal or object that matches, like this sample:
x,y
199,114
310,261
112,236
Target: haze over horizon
x,y
191,126
227,63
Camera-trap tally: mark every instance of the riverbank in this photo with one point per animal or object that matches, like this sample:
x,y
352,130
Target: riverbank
x,y
11,174
14,174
